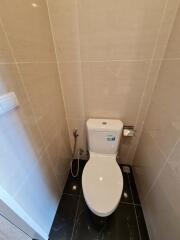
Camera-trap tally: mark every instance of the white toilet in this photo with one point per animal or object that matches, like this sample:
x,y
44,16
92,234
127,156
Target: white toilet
x,y
102,179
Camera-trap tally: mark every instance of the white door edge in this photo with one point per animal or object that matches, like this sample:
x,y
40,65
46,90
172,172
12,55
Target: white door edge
x,y
11,210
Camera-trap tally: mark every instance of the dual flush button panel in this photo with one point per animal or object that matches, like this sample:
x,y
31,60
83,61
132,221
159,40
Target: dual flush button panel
x,y
110,137
8,102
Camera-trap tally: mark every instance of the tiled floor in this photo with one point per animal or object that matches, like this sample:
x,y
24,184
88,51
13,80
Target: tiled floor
x,y
74,221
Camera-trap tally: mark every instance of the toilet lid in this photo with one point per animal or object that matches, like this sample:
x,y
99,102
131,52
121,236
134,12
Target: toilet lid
x,y
102,183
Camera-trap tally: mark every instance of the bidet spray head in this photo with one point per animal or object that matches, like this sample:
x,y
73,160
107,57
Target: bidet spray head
x,y
75,133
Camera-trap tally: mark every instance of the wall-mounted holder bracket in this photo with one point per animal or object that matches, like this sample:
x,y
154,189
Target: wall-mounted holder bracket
x,y
128,131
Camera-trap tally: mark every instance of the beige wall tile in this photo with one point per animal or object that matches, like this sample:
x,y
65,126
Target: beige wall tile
x,y
42,85
59,150
60,154
114,89
65,25
167,23
28,30
5,53
173,44
162,207
10,81
119,29
72,85
73,91
147,163
163,117
151,79
174,163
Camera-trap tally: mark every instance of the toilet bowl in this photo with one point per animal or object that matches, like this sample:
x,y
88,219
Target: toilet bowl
x,y
102,180
102,184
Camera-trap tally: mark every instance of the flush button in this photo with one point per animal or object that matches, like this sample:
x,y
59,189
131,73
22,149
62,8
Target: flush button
x,y
8,102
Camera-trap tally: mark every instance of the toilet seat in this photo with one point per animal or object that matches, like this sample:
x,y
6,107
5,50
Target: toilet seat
x,y
102,184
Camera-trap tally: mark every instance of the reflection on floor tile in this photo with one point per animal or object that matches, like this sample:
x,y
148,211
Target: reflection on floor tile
x,y
142,224
88,226
134,189
74,220
126,196
64,220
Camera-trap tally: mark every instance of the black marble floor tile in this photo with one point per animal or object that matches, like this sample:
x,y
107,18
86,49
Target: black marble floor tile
x,y
120,225
64,220
126,194
82,164
133,188
73,184
142,224
126,223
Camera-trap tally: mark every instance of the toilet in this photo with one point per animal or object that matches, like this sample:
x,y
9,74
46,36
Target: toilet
x,y
102,180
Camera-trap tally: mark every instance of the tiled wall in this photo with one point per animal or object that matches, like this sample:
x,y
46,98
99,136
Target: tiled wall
x,y
34,141
157,160
109,55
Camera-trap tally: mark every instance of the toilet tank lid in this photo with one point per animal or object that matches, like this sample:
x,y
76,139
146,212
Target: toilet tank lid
x,y
104,124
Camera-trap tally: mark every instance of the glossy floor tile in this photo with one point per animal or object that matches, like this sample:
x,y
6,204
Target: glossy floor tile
x,y
121,223
64,220
142,224
74,221
134,189
126,196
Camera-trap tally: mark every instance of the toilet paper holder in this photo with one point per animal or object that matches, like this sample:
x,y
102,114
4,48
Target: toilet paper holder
x,y
128,131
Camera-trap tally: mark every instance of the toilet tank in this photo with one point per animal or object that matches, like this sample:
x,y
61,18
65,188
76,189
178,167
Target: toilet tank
x,y
104,135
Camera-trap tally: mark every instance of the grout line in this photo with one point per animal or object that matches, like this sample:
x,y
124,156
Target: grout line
x,y
82,85
171,59
7,63
94,61
156,143
108,60
71,194
58,67
78,204
119,60
134,208
133,204
34,62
